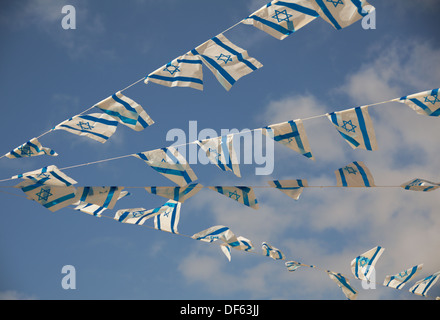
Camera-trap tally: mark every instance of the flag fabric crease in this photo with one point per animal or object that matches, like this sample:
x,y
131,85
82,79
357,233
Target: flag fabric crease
x,y
355,174
292,135
425,103
399,280
126,111
168,220
272,252
184,71
170,163
363,265
101,196
243,195
31,148
344,284
422,287
96,126
226,61
282,18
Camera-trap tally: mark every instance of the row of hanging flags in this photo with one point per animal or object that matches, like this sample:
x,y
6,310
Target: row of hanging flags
x,y
228,62
54,190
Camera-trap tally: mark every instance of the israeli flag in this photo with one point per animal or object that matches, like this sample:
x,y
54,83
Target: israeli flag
x,y
355,174
51,197
363,265
184,71
126,111
96,126
169,219
356,127
140,215
49,175
292,188
272,252
227,61
215,233
170,163
243,195
292,135
344,284
426,103
293,265
93,209
101,196
398,281
220,151
31,148
422,287
342,13
420,185
282,18
176,193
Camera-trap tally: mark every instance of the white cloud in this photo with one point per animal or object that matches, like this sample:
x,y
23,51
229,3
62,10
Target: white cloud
x,y
14,295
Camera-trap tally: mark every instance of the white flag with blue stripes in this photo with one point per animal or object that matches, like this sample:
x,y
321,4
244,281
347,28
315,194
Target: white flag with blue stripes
x,y
355,174
126,111
49,175
344,284
52,197
101,196
176,193
420,185
93,209
426,103
363,265
227,61
422,287
342,13
220,151
272,252
170,163
356,127
244,195
96,126
399,280
31,148
293,188
168,220
224,234
292,135
294,265
184,71
282,18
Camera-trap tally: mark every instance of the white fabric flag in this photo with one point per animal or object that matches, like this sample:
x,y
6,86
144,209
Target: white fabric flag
x,y
356,127
244,195
31,148
355,174
184,71
363,265
292,135
96,126
399,280
170,163
293,188
52,197
342,13
220,151
272,252
294,265
102,196
49,175
227,61
94,209
344,284
176,193
126,111
169,219
422,287
420,185
426,103
282,18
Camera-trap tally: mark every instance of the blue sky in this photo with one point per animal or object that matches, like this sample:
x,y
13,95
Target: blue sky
x,y
49,74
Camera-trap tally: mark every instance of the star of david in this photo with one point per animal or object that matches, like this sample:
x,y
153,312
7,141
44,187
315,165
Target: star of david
x,y
283,12
432,101
233,195
402,275
167,212
350,170
44,194
224,57
25,150
335,2
137,214
172,69
85,125
43,176
363,261
352,126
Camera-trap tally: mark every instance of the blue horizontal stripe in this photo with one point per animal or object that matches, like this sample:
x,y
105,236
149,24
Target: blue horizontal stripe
x,y
173,79
298,8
